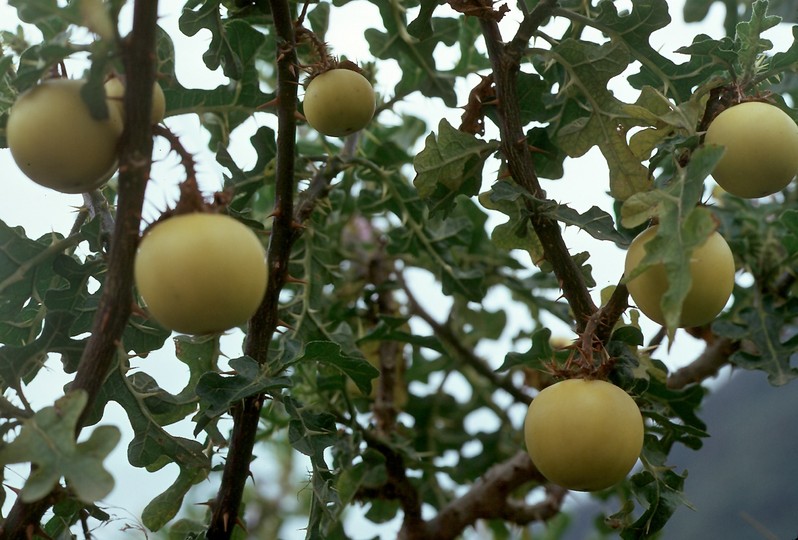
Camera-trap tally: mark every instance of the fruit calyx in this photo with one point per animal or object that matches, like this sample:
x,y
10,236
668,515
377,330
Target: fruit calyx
x,y
330,64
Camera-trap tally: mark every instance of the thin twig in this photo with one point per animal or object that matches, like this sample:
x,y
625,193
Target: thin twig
x,y
610,312
467,355
515,49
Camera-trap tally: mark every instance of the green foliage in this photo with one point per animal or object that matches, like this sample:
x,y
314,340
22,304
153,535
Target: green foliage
x,y
450,164
406,265
47,441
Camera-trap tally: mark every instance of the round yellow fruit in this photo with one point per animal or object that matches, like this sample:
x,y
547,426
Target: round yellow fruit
x,y
339,102
761,144
584,435
711,270
115,92
57,143
201,273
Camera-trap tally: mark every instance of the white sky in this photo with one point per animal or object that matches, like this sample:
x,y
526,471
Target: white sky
x,y
40,211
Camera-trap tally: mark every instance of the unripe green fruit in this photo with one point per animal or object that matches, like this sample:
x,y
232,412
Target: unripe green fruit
x,y
57,143
761,144
339,102
712,272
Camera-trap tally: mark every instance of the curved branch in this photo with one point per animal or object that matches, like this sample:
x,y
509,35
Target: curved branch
x,y
715,356
529,26
487,499
135,158
610,312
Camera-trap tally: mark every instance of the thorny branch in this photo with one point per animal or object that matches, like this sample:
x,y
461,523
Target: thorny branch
x,y
488,497
116,300
286,229
505,62
246,414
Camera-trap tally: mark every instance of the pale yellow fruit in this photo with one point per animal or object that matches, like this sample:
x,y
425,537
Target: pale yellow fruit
x,y
584,435
115,91
57,143
711,270
761,144
339,102
201,273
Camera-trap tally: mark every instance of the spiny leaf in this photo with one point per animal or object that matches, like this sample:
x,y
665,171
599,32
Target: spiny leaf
x,y
449,165
762,326
594,116
370,472
46,15
438,245
664,495
634,30
23,267
782,67
233,43
665,118
696,10
22,362
153,447
160,510
217,392
516,232
595,221
223,108
48,441
356,368
507,198
540,352
413,47
308,431
749,38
